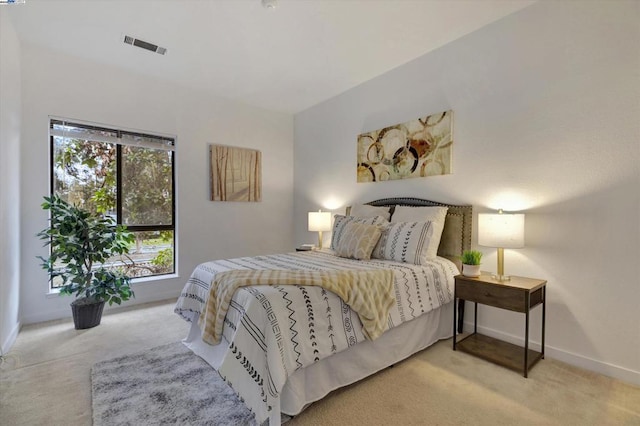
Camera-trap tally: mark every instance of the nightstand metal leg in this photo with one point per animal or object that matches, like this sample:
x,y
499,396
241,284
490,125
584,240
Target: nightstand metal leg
x,y
455,324
544,308
460,316
526,334
475,317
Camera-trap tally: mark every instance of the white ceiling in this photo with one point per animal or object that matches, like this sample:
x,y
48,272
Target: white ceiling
x,y
286,59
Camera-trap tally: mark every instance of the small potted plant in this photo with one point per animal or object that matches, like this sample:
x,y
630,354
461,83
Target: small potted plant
x,y
80,245
471,263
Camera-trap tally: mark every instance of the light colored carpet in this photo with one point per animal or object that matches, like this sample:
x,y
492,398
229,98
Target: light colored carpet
x,y
46,381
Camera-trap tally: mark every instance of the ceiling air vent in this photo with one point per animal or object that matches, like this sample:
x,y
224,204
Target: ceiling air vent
x,y
144,45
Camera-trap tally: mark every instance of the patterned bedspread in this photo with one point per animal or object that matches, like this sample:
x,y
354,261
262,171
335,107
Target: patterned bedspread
x,y
271,331
369,293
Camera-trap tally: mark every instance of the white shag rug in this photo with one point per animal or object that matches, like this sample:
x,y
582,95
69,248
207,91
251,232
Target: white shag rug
x,y
167,385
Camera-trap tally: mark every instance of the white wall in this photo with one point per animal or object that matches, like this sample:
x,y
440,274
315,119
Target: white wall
x,y
10,183
547,107
69,87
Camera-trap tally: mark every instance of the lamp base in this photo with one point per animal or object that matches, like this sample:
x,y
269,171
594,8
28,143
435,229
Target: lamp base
x,y
501,277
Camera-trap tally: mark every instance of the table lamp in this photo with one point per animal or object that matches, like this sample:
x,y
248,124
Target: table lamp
x,y
319,221
501,230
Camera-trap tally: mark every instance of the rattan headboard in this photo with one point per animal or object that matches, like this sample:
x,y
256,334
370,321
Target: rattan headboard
x,y
456,235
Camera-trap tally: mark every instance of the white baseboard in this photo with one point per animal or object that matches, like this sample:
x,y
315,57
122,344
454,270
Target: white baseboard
x,y
63,313
11,339
615,371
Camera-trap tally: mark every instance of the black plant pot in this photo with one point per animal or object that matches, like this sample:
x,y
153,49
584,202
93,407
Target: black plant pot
x,y
86,315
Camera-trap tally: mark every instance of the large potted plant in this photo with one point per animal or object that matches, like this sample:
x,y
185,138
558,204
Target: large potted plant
x,y
80,245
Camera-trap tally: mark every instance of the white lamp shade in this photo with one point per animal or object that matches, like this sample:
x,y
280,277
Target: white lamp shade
x,y
501,230
319,221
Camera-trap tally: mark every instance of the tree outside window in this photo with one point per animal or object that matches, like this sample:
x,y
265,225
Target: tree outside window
x,y
126,175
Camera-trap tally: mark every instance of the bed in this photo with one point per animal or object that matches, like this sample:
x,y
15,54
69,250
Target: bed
x,y
283,347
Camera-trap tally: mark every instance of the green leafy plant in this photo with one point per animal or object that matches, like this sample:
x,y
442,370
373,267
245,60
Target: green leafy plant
x,y
164,260
81,244
471,257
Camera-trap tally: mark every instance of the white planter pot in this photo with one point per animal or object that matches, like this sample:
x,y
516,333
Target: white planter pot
x,y
471,270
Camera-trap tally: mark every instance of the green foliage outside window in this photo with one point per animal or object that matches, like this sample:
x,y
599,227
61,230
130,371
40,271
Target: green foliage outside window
x,y
85,174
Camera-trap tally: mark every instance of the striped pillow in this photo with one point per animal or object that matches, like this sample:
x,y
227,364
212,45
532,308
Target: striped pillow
x,y
340,221
358,240
409,242
434,214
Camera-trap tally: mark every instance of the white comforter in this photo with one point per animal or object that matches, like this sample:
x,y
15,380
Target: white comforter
x,y
271,331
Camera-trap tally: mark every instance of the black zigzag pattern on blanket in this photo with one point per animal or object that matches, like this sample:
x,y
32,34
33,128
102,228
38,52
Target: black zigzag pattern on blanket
x,y
292,323
397,291
408,290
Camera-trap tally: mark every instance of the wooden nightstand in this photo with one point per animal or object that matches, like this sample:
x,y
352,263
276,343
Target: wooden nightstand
x,y
520,295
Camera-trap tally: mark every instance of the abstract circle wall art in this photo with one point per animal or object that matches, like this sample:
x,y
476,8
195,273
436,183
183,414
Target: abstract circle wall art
x,y
417,148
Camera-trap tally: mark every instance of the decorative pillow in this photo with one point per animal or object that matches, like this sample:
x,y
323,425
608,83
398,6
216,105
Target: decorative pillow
x,y
434,214
340,221
419,214
409,242
358,240
365,210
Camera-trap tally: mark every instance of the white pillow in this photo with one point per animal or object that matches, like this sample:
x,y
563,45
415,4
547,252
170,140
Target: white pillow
x,y
365,210
435,214
419,214
358,240
340,221
409,242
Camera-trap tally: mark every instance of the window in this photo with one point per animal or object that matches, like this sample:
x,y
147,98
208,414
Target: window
x,y
126,175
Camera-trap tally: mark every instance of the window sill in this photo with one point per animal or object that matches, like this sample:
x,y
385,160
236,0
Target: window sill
x,y
56,292
154,278
52,293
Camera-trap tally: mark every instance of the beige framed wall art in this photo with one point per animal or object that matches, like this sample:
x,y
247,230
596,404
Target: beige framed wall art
x,y
417,148
236,173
